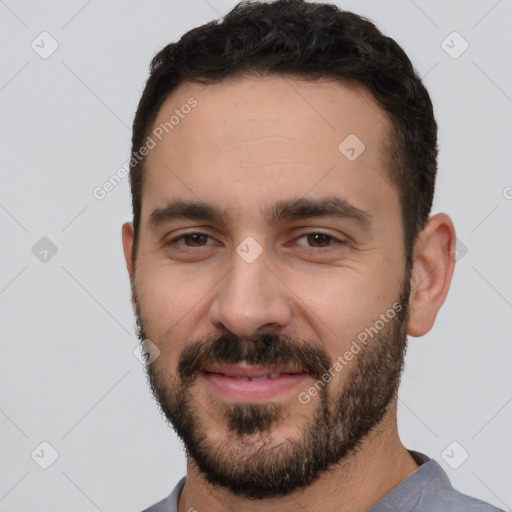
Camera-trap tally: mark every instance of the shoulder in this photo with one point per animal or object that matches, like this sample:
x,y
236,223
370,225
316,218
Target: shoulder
x,y
428,489
170,503
439,494
457,501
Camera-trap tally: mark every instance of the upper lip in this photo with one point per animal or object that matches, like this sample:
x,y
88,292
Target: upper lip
x,y
251,371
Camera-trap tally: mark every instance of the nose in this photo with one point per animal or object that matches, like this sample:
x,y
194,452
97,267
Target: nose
x,y
250,299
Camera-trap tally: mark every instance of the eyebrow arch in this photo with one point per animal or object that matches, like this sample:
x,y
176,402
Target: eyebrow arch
x,y
304,208
193,210
290,209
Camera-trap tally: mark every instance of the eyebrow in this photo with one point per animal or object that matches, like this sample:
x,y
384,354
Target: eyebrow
x,y
290,209
305,208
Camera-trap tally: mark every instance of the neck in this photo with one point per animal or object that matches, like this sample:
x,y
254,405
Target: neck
x,y
354,485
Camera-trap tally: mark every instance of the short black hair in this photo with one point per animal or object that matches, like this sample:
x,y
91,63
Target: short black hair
x,y
311,41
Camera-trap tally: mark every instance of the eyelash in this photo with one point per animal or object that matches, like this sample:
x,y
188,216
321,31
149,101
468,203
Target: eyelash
x,y
333,240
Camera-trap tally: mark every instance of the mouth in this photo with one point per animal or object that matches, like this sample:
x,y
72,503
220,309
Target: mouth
x,y
248,382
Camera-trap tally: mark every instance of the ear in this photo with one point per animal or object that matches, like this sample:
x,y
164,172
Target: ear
x,y
128,236
433,266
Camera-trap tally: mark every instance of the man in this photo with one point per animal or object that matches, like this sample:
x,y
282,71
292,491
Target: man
x,y
283,170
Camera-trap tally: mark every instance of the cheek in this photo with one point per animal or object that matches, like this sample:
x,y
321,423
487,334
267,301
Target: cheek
x,y
172,303
344,302
162,300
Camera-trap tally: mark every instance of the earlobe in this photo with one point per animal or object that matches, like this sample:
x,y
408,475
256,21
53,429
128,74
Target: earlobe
x,y
433,266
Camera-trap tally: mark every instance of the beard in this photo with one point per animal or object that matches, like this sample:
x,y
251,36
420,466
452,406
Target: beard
x,y
247,460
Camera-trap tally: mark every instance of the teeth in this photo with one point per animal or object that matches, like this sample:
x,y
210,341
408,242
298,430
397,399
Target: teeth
x,y
263,377
266,377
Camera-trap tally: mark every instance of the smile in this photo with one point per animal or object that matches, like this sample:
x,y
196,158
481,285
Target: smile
x,y
248,383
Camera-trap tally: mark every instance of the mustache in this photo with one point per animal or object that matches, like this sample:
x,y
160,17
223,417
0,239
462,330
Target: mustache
x,y
267,350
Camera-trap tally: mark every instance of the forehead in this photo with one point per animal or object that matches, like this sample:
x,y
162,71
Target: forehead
x,y
257,138
317,111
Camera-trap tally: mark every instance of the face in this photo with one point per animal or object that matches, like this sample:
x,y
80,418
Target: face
x,y
271,276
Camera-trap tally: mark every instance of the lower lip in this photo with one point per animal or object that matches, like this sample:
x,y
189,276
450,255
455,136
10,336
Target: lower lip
x,y
238,389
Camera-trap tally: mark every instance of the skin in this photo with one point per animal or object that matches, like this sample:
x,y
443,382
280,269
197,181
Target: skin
x,y
248,144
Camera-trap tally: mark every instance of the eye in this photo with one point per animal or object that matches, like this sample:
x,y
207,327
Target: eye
x,y
317,240
191,240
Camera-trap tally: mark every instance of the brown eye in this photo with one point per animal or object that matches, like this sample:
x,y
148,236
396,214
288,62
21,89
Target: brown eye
x,y
317,240
195,239
190,240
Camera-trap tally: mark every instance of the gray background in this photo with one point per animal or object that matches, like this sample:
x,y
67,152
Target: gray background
x,y
68,373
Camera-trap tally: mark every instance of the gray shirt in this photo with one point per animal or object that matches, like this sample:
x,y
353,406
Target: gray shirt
x,y
427,489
